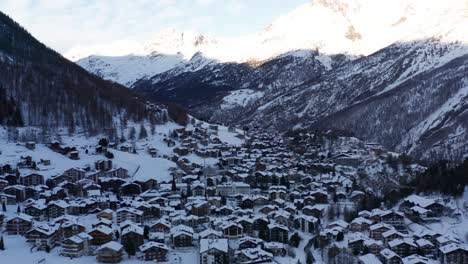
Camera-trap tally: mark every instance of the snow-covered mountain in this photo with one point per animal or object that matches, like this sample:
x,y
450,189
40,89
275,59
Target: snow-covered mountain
x,y
399,65
351,27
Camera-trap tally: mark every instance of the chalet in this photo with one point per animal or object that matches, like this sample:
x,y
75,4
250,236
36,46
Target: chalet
x,y
377,230
106,214
247,224
347,160
111,252
320,197
368,259
19,224
316,211
277,249
198,189
160,226
7,199
360,224
128,213
31,179
31,145
130,189
16,191
36,210
153,152
278,233
57,208
127,148
305,223
75,174
200,208
356,243
373,246
182,236
74,155
147,184
454,253
403,247
210,234
357,196
117,173
42,237
436,209
213,251
134,234
253,255
392,218
71,228
153,251
101,235
426,248
103,165
232,229
102,222
73,247
250,242
391,235
387,256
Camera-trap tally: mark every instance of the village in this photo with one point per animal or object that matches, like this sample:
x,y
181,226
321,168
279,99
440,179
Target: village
x,y
298,198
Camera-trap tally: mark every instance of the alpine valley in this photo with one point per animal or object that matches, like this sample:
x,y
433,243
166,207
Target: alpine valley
x,y
337,135
394,72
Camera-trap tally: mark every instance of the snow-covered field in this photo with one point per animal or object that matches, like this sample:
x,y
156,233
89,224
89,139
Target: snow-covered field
x,y
140,166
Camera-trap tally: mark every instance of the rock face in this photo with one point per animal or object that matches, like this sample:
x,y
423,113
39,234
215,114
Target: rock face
x,y
388,71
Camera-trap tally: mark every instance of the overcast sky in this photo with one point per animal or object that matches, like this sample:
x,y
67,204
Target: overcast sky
x,y
64,24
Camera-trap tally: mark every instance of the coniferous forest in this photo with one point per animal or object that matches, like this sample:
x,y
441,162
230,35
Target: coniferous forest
x,y
38,87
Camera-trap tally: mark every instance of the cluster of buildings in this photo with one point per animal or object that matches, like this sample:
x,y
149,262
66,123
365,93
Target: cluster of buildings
x,y
245,209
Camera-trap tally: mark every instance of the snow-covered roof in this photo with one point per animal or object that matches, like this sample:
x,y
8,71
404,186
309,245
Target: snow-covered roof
x,y
218,244
111,245
152,244
369,259
452,247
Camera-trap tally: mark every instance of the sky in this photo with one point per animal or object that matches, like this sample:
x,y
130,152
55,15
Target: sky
x,y
65,24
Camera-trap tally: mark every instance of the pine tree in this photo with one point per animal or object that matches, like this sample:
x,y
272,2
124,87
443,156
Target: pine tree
x,y
146,231
331,212
309,257
132,133
174,187
295,240
189,190
130,248
2,244
143,133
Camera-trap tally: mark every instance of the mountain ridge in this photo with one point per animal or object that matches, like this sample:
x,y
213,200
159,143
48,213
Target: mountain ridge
x,y
337,56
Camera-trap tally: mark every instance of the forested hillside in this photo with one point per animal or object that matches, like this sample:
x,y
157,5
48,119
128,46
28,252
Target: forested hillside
x,y
39,87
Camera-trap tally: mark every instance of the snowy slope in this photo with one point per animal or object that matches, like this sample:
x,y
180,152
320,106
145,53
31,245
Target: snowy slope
x,y
128,69
240,97
140,166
